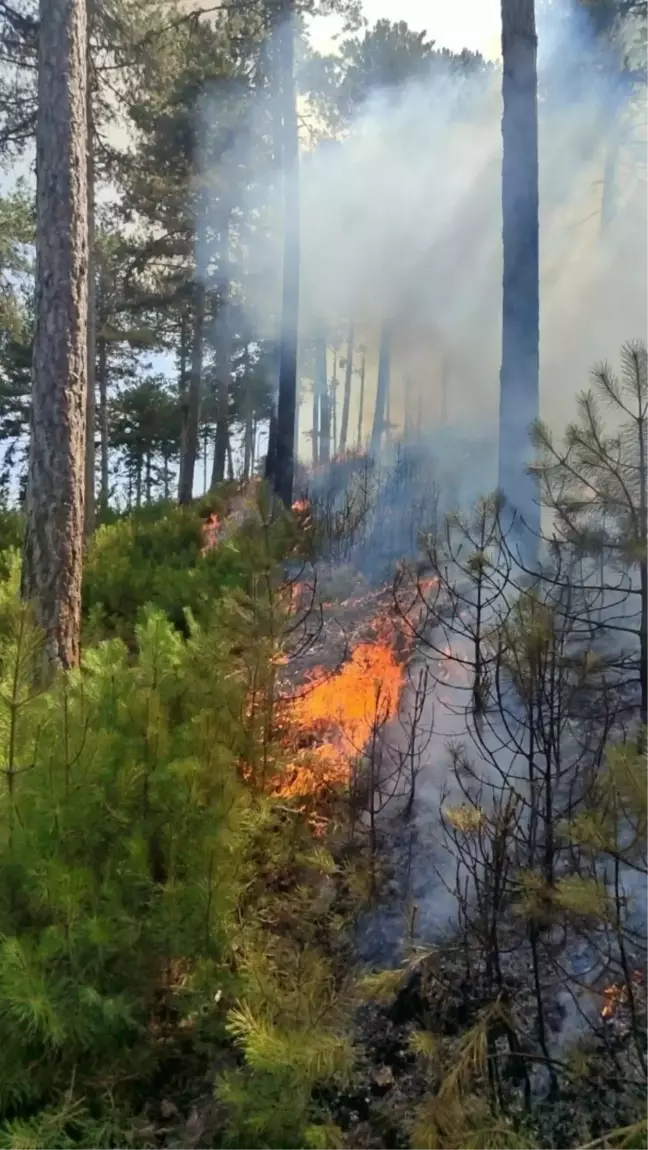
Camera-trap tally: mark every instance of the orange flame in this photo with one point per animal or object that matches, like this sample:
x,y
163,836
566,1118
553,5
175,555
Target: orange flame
x,y
211,530
337,715
615,996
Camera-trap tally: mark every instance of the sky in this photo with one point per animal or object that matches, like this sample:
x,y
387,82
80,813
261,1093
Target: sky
x,y
453,24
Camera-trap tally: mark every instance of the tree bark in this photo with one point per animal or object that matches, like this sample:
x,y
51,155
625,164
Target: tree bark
x,y
519,382
224,345
287,401
193,400
53,549
89,512
384,365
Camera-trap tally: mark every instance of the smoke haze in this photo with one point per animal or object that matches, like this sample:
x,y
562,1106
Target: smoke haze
x,y
401,220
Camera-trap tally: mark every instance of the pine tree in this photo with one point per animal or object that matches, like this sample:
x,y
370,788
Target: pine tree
x,y
519,382
595,484
53,555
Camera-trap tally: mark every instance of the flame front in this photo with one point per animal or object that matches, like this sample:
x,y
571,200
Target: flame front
x,y
334,719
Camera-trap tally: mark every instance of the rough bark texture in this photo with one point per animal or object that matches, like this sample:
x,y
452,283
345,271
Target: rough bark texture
x,y
92,333
520,302
382,392
287,401
53,551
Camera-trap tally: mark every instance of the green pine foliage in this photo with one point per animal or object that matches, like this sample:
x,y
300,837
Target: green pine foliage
x,y
121,839
158,909
154,556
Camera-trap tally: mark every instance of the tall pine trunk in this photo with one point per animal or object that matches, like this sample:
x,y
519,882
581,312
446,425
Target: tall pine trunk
x,y
193,399
190,440
382,390
283,465
519,377
224,350
348,377
89,511
363,372
321,386
53,550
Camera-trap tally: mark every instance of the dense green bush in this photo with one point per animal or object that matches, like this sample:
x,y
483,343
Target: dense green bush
x,y
158,911
154,557
121,836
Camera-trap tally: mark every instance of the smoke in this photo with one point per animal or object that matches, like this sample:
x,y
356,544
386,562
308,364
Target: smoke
x,y
401,220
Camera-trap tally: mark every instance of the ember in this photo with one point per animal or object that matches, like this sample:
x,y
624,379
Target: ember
x,y
616,998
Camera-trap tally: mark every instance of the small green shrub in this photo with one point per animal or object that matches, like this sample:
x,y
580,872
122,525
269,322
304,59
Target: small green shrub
x,y
121,836
154,557
158,912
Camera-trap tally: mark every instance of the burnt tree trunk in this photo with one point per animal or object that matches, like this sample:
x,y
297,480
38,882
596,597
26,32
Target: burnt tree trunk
x,y
283,465
520,282
53,549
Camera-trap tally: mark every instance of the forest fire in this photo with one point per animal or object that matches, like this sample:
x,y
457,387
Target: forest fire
x,y
616,997
332,720
211,530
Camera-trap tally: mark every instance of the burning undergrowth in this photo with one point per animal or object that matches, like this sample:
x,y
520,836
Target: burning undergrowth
x,y
341,671
343,690
346,685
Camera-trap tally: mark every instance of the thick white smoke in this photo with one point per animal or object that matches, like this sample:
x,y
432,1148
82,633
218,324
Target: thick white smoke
x,y
401,219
